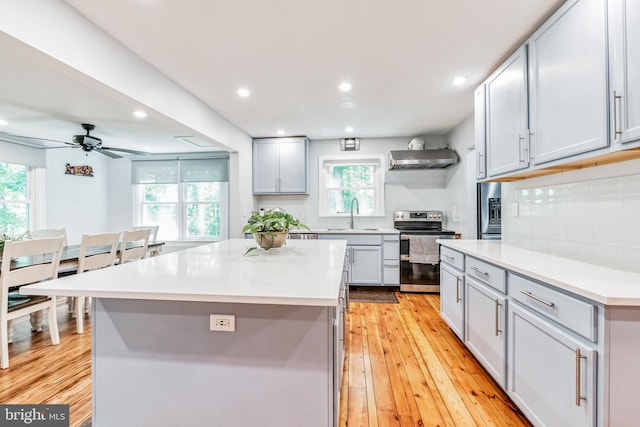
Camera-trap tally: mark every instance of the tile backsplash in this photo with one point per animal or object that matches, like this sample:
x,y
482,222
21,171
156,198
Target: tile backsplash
x,y
594,218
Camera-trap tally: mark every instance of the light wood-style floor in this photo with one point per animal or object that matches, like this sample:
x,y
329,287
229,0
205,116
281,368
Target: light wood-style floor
x,y
404,367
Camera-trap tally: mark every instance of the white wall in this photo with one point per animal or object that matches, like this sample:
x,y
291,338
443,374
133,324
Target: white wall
x,y
461,189
404,189
590,215
78,203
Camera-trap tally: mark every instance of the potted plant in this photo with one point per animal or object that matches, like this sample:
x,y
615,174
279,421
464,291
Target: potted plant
x,y
270,228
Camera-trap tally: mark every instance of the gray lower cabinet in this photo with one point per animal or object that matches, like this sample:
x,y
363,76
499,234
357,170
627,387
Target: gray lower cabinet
x,y
365,265
485,322
365,255
452,298
552,375
391,259
339,334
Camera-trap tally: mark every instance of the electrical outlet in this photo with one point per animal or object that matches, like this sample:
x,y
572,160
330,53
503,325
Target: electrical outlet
x,y
515,211
222,322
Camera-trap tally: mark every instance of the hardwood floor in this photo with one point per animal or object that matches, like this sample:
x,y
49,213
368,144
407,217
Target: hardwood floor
x,y
40,373
404,367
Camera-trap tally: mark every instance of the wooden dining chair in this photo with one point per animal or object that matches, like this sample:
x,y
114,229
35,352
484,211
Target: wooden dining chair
x,y
23,263
48,233
153,235
96,251
134,245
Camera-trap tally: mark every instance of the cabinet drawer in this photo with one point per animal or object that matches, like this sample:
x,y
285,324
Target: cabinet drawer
x,y
391,247
572,313
355,239
452,257
487,273
391,272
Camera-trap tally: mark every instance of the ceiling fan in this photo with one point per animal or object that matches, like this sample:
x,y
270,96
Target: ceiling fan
x,y
86,142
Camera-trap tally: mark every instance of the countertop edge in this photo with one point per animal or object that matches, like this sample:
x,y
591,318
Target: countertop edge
x,y
623,287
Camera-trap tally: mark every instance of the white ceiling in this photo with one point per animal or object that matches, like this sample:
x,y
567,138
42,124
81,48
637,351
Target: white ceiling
x,y
291,54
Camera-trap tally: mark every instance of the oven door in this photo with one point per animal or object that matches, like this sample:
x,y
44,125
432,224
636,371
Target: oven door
x,y
417,277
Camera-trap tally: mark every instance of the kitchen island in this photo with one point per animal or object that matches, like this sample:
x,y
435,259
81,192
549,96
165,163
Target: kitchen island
x,y
157,361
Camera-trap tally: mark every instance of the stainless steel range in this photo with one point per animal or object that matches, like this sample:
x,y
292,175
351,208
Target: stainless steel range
x,y
419,252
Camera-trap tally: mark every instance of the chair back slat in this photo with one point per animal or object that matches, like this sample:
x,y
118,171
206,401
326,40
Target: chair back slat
x,y
104,241
134,244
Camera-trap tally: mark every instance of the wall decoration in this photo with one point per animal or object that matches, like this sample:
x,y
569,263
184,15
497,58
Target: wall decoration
x,y
79,170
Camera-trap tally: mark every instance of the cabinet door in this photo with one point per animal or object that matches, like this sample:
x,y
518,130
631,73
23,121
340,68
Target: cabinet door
x,y
507,116
480,129
452,298
265,166
568,82
551,374
485,319
292,159
366,268
624,45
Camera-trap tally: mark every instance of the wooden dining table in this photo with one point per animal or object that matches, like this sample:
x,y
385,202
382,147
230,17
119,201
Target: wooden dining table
x,y
70,253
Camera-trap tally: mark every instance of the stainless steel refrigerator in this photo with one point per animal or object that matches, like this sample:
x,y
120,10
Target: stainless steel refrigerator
x,y
489,211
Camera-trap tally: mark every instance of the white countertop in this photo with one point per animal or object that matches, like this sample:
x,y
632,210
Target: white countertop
x,y
605,285
304,272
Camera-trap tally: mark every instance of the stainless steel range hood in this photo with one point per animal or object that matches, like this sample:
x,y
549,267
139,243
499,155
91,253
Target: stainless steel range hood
x,y
422,159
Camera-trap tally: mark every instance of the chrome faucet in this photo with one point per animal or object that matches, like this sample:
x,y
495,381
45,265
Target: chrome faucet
x,y
357,211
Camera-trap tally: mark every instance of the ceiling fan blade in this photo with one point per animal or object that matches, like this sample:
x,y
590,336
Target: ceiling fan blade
x,y
107,153
8,135
124,150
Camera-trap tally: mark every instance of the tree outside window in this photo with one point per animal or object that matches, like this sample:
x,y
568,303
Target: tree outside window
x,y
342,179
14,200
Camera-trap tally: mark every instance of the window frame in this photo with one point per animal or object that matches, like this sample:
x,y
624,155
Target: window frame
x,y
34,197
378,160
182,202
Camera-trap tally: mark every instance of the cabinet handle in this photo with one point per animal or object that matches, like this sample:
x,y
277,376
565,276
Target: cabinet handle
x,y
449,258
480,166
498,305
457,289
520,156
477,270
391,266
616,98
579,397
390,241
530,295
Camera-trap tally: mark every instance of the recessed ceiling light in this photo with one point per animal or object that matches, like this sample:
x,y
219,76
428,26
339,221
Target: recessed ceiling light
x,y
280,132
459,81
345,87
140,114
349,129
243,92
3,122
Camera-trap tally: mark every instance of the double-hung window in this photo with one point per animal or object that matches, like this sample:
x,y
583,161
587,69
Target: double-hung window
x,y
19,198
188,198
343,178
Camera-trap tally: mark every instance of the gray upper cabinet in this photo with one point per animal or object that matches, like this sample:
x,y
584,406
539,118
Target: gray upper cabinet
x,y
624,70
507,116
280,166
568,82
480,131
